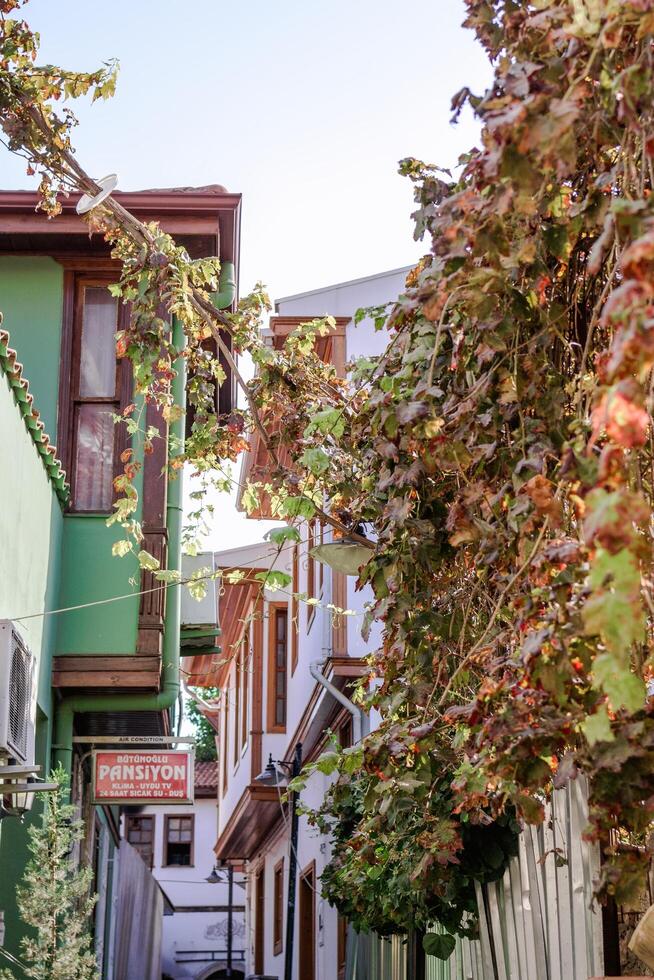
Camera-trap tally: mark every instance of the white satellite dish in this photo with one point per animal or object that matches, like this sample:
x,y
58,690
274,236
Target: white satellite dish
x,y
87,202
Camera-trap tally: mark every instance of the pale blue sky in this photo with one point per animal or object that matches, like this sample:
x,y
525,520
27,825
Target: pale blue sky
x,y
303,106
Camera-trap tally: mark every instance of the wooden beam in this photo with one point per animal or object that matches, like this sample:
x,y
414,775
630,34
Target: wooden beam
x,y
112,672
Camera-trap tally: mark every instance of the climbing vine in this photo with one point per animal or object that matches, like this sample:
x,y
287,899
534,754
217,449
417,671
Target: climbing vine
x,y
500,452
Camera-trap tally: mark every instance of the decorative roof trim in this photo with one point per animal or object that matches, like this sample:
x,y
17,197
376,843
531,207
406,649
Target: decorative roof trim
x,y
32,419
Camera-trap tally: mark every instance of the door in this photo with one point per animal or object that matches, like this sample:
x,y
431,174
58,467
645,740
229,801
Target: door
x,y
307,924
260,911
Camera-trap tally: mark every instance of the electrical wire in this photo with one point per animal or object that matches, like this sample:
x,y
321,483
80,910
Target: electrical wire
x,y
168,585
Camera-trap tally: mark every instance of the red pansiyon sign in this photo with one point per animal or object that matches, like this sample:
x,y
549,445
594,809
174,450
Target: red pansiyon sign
x,y
142,777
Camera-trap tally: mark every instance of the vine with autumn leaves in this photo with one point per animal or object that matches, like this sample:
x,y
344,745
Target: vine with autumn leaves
x,y
500,452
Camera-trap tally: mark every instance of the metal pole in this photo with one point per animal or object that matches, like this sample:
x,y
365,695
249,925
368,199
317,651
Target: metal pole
x,y
230,918
292,869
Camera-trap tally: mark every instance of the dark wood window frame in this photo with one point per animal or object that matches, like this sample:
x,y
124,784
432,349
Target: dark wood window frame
x,y
164,854
275,610
238,677
75,282
245,658
225,715
311,572
260,920
278,907
307,930
130,821
295,625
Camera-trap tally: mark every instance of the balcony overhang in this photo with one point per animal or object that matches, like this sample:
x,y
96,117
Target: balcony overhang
x,y
97,673
210,214
253,817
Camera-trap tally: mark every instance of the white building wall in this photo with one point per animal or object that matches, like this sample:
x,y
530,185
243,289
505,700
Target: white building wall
x,y
187,889
314,644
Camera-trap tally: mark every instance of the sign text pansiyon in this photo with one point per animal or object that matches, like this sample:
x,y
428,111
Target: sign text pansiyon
x,y
148,776
149,769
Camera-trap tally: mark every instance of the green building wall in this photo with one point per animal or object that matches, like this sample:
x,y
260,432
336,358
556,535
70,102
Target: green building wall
x,y
31,299
31,531
49,559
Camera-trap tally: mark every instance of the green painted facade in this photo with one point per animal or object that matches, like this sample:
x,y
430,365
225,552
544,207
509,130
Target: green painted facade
x,y
31,531
49,559
90,573
31,299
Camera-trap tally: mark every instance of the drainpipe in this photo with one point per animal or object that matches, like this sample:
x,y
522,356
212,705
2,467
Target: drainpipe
x,y
170,686
226,287
317,674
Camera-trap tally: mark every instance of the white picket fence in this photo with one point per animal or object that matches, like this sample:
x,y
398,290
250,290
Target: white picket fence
x,y
538,922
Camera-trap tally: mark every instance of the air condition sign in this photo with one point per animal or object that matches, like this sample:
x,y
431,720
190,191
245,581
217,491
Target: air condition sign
x,y
142,777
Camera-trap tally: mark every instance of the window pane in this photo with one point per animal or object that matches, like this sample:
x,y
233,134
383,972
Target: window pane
x,y
280,713
98,357
94,458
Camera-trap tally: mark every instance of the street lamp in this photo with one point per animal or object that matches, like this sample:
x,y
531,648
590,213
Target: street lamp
x,y
216,878
270,777
18,784
345,555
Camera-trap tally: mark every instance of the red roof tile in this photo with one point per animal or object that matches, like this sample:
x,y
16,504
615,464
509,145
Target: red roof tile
x,y
206,776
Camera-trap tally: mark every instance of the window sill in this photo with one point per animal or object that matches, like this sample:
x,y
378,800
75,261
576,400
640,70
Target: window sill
x,y
104,514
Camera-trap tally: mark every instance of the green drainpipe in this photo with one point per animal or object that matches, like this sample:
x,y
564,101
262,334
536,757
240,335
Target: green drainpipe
x,y
226,287
170,686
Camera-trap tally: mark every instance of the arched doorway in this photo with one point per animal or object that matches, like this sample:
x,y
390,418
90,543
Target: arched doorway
x,y
211,973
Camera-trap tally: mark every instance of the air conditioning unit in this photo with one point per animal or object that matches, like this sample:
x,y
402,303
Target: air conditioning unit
x,y
16,680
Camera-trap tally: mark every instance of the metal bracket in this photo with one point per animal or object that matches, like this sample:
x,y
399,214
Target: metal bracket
x,y
10,789
19,770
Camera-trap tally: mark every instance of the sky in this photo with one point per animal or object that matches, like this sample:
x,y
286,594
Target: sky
x,y
303,106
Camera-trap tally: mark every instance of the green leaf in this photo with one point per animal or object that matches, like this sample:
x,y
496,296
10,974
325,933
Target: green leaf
x,y
329,422
274,579
298,507
353,759
168,575
441,945
618,681
250,498
315,460
148,561
327,763
121,548
280,535
597,727
614,611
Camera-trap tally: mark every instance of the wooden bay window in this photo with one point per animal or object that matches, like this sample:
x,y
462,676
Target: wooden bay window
x,y
95,385
277,665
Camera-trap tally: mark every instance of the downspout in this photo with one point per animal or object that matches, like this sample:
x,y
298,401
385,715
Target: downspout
x,y
226,287
317,674
170,684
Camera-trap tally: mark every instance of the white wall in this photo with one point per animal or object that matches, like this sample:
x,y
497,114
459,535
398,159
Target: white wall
x,y
315,637
186,886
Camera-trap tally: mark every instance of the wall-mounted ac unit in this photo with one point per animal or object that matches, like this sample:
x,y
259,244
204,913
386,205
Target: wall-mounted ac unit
x,y
202,612
16,679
